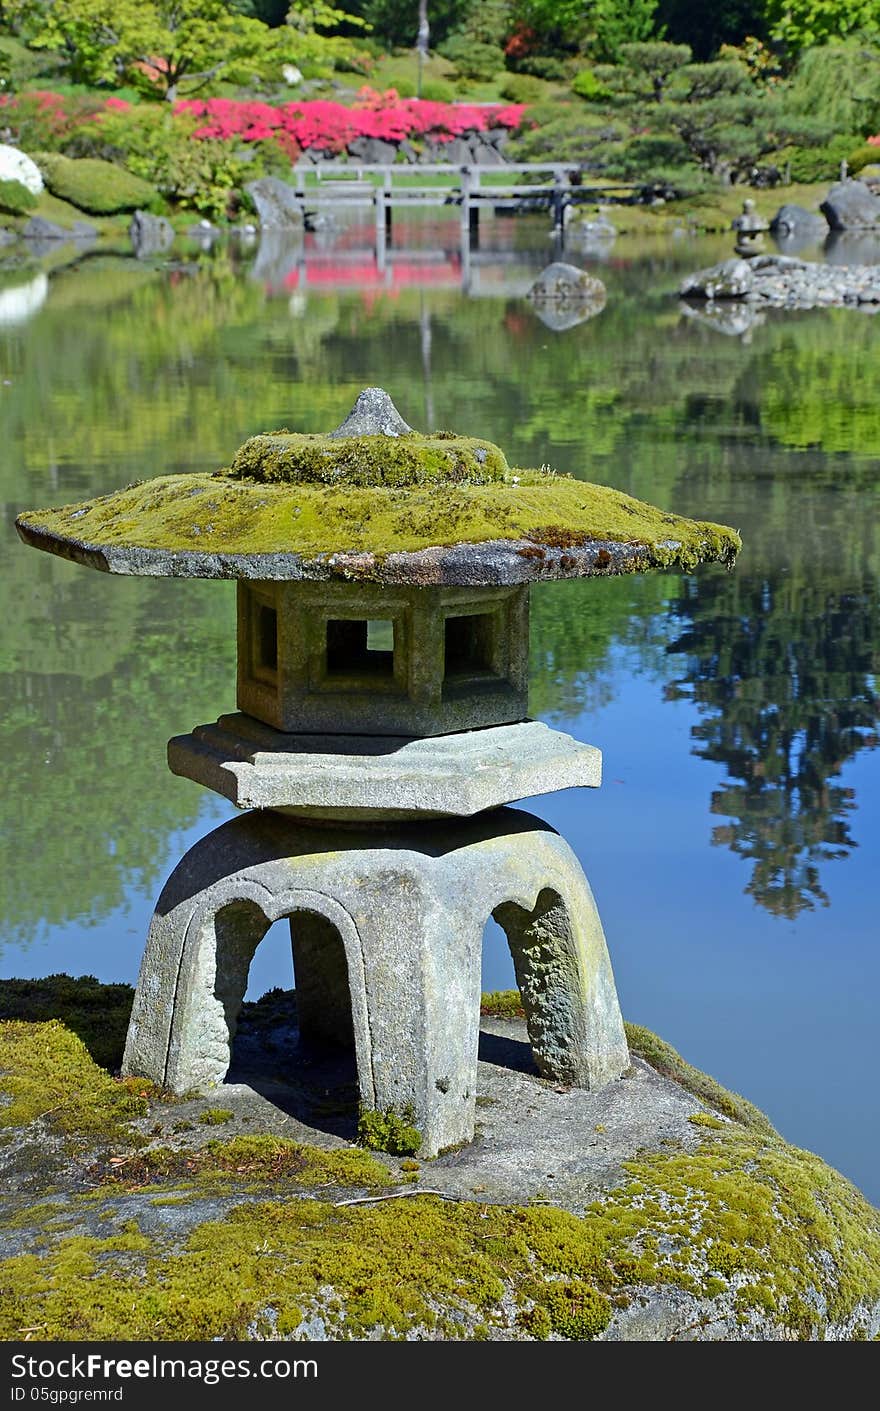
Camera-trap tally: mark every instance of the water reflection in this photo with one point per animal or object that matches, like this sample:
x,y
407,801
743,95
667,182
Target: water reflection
x,y
780,669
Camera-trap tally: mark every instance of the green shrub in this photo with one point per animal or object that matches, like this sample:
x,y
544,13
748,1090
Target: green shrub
x,y
862,156
521,88
820,163
101,188
586,85
15,199
544,66
471,57
437,90
565,132
404,87
205,176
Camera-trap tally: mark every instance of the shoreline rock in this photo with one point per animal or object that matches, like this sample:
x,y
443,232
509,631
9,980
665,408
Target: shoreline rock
x,y
781,281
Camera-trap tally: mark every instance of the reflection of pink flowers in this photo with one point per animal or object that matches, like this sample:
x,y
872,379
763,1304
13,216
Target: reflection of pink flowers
x,y
332,127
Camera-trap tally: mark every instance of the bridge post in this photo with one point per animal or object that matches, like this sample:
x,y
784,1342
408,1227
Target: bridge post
x,y
386,186
469,216
383,226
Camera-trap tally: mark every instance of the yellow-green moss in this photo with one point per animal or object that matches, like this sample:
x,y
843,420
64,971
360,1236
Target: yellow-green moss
x,y
705,1119
46,1071
507,1004
370,460
97,1013
262,1157
389,1131
216,1116
502,1004
744,1215
218,514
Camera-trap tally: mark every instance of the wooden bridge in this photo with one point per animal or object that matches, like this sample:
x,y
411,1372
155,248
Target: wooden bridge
x,y
359,184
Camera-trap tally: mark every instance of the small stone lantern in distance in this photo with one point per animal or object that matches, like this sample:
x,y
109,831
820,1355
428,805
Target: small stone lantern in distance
x,y
382,728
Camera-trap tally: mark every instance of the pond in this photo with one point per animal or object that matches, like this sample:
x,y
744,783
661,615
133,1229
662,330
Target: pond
x,y
733,846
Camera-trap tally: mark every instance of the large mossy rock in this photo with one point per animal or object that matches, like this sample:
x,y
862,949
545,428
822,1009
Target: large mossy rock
x,y
661,1208
101,188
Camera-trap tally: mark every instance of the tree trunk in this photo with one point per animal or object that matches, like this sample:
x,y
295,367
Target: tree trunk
x,y
424,29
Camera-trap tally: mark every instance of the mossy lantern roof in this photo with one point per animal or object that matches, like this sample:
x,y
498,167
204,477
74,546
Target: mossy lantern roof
x,y
374,501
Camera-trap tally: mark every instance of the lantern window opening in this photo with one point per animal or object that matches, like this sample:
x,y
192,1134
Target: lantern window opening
x,y
471,650
360,647
264,639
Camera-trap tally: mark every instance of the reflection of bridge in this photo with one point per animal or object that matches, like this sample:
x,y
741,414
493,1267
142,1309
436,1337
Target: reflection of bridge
x,y
491,273
439,254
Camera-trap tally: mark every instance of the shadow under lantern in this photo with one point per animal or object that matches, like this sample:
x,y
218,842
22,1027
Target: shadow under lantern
x,y
382,728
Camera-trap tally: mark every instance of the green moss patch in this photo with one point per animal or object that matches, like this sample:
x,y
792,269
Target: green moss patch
x,y
217,514
216,1116
262,1158
389,1131
412,459
663,1057
97,1013
745,1218
46,1071
16,199
502,1004
101,188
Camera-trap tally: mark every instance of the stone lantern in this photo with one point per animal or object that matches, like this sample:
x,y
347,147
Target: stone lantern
x,y
381,732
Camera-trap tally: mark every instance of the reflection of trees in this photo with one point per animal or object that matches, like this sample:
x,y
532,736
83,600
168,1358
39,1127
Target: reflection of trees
x,y
95,674
780,669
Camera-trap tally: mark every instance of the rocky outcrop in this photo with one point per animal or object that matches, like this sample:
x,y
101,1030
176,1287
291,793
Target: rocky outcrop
x,y
277,204
793,220
851,205
784,282
150,235
658,1208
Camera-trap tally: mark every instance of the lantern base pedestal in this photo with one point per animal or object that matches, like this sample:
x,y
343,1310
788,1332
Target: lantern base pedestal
x,y
381,777
387,939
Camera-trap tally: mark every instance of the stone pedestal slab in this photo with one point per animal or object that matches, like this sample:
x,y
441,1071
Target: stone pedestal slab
x,y
361,776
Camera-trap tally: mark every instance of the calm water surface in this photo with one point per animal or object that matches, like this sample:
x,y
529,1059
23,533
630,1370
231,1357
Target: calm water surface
x,y
733,847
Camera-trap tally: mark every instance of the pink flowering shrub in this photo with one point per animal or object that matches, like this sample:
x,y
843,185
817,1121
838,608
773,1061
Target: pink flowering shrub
x,y
331,127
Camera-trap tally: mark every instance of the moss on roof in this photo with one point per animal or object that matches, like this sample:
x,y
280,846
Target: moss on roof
x,y
226,515
411,459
